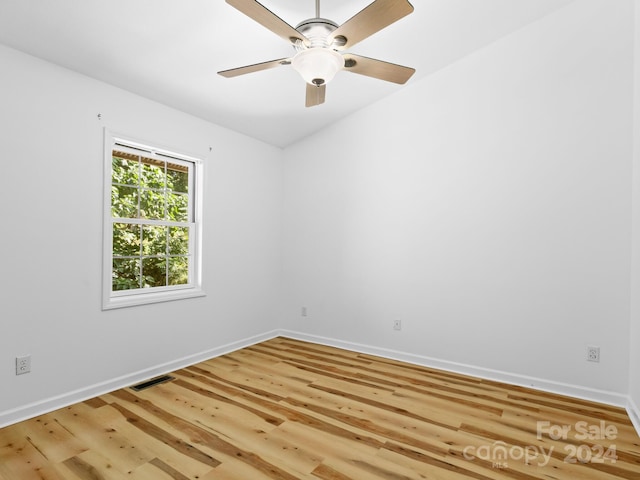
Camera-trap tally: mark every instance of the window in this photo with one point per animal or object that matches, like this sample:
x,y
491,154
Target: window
x,y
152,224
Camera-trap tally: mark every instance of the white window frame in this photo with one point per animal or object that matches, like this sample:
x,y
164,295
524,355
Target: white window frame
x,y
127,298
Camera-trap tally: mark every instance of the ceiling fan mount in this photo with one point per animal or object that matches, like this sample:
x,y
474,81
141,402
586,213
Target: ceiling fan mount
x,y
317,27
319,44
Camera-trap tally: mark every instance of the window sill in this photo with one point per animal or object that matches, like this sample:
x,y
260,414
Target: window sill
x,y
150,298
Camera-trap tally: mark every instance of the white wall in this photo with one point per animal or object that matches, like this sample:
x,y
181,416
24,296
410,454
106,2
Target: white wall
x,y
486,206
51,239
634,369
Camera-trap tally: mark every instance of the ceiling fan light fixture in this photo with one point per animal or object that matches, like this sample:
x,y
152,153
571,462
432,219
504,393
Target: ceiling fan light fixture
x,y
318,42
317,66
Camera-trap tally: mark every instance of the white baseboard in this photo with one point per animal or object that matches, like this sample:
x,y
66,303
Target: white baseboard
x,y
54,403
576,391
48,405
634,414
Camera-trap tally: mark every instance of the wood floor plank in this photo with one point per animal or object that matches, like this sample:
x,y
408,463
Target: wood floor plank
x,y
286,409
92,465
165,453
51,439
328,444
146,472
19,459
98,431
204,438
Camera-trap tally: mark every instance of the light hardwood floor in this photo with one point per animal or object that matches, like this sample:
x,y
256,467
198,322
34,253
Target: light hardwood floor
x,y
285,409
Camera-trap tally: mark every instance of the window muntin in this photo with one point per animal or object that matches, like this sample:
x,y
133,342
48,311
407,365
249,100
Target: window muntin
x,y
152,228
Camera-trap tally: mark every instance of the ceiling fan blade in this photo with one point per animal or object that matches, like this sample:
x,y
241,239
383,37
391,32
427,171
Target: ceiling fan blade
x,y
315,95
371,19
268,19
234,72
370,67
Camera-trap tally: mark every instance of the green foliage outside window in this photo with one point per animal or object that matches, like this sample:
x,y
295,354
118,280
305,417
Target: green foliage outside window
x,y
149,252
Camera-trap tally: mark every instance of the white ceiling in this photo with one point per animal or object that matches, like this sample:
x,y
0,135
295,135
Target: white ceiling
x,y
170,51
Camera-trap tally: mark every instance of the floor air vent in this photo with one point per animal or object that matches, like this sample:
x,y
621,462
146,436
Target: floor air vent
x,y
152,382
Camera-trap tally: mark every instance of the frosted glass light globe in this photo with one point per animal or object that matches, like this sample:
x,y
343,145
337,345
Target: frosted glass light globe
x,y
317,65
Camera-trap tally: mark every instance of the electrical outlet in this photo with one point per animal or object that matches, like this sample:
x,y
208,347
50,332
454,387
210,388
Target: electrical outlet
x,y
23,364
397,324
593,354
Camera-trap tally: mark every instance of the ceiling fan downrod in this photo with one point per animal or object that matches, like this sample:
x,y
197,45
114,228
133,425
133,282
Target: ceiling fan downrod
x,y
316,30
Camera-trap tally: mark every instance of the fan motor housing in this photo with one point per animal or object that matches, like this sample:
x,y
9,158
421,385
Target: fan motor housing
x,y
317,30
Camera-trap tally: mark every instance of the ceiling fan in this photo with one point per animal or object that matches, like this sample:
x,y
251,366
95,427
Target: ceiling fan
x,y
319,41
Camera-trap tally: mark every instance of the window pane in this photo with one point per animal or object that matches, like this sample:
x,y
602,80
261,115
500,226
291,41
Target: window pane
x,y
154,272
124,202
178,241
150,230
125,274
153,175
178,207
177,178
152,204
124,171
154,240
126,240
178,270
